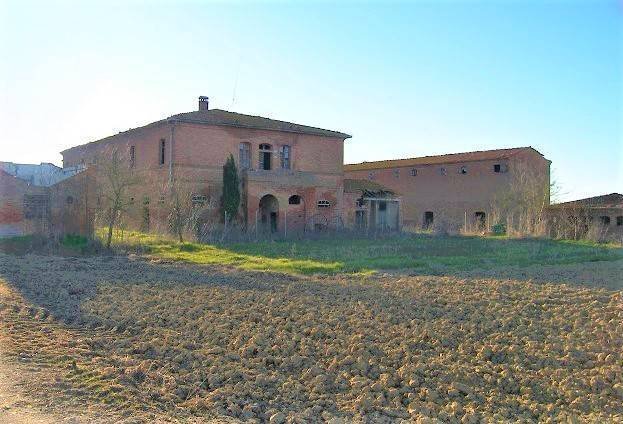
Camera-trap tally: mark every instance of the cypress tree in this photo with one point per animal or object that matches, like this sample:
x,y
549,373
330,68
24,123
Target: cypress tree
x,y
231,188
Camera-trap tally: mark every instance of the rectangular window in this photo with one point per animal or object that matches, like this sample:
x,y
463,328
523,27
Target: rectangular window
x,y
132,156
244,156
497,168
163,145
285,157
428,220
265,156
619,221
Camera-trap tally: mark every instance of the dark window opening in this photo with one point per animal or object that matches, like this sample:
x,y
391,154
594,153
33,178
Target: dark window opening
x,y
442,171
284,155
69,200
382,206
265,156
463,170
132,156
163,145
428,219
605,220
497,168
481,220
146,200
413,172
294,200
244,156
619,221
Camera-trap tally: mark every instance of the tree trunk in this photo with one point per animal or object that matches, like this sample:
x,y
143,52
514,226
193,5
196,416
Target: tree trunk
x,y
109,237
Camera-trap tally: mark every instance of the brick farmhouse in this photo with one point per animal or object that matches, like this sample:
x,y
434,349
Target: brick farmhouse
x,y
291,175
292,179
461,190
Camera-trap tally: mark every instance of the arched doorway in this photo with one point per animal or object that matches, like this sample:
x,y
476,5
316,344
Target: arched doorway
x,y
269,213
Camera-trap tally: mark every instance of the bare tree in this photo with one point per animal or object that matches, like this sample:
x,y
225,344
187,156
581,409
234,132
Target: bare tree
x,y
114,179
183,207
522,206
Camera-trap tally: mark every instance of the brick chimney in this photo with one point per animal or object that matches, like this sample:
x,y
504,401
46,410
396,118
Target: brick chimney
x,y
203,102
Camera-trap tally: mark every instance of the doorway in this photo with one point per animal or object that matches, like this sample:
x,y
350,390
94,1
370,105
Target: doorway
x,y
269,213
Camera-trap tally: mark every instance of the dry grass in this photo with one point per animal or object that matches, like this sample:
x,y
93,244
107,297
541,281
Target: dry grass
x,y
177,340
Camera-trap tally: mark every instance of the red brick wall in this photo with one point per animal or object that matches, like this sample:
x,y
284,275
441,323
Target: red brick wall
x,y
12,219
454,195
72,205
198,153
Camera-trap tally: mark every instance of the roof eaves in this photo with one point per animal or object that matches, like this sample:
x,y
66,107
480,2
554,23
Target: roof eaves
x,y
313,130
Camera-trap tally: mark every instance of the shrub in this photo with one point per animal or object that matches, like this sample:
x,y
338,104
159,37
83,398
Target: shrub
x,y
499,229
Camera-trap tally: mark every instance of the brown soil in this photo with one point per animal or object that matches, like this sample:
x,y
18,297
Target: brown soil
x,y
120,338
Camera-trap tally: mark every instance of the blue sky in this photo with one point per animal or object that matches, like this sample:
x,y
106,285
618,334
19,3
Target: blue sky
x,y
404,78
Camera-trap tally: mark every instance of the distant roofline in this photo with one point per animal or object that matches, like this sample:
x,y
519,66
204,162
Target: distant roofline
x,y
586,201
450,158
31,164
178,118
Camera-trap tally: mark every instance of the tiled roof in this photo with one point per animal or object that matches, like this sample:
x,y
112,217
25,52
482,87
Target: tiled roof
x,y
233,119
440,159
368,188
612,200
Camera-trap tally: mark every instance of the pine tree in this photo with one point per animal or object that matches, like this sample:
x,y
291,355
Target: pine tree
x,y
231,188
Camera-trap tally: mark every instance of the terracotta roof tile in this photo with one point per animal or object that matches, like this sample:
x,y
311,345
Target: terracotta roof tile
x,y
440,159
220,117
612,200
233,119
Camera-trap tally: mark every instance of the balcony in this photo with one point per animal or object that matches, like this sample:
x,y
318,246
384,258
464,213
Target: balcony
x,y
282,177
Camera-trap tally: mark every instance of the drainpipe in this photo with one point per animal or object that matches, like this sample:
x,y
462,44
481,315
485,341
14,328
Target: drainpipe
x,y
172,123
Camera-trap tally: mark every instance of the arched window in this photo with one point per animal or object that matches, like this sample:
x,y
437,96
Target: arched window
x,y
244,156
266,152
